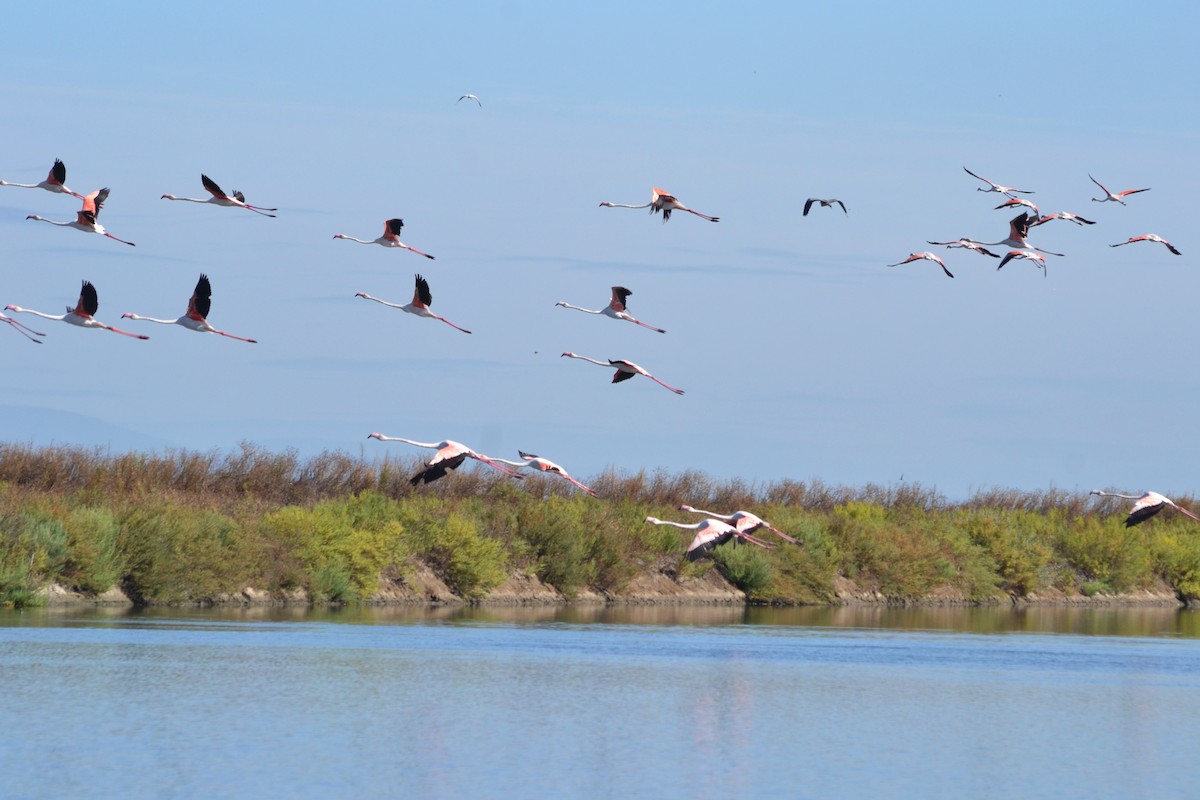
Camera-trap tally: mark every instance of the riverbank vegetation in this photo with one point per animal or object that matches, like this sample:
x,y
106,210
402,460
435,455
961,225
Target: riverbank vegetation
x,y
185,527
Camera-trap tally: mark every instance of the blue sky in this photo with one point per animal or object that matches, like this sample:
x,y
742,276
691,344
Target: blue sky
x,y
802,355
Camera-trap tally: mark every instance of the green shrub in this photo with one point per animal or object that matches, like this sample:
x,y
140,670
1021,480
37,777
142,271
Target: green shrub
x,y
96,563
744,565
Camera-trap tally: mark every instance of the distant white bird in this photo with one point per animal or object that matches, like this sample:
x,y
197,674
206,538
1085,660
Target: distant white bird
x,y
968,245
1149,237
995,187
742,520
450,455
85,218
390,238
1013,202
661,200
196,318
540,464
1147,506
616,308
468,97
824,204
55,181
926,256
422,299
1113,196
219,198
81,314
1038,259
1067,215
710,533
625,370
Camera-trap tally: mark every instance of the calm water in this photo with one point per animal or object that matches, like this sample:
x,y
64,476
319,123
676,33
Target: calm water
x,y
655,703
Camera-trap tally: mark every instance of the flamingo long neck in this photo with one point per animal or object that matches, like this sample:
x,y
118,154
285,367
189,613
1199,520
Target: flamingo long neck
x,y
577,308
52,222
591,360
429,445
691,527
361,241
188,199
366,296
152,319
726,517
22,185
38,313
1122,496
627,205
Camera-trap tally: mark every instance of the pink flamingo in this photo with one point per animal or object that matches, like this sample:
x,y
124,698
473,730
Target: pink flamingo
x,y
1018,229
1149,237
235,200
995,187
1013,202
968,245
742,520
1115,197
81,314
55,181
625,370
710,533
22,329
450,455
85,219
1147,506
1067,215
196,318
926,256
390,238
1038,259
422,299
661,200
544,465
616,308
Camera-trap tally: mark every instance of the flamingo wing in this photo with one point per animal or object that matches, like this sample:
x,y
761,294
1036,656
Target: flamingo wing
x,y
392,228
1144,509
622,375
201,299
212,187
89,301
421,294
619,293
808,205
437,469
58,173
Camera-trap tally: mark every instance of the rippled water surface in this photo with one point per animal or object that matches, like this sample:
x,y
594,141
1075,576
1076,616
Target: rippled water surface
x,y
656,703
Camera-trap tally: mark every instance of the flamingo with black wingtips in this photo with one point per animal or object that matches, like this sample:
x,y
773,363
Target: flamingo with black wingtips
x,y
1147,506
710,533
1018,230
390,238
1038,259
82,314
661,200
545,465
85,219
422,299
1067,215
742,520
616,308
1149,237
196,318
450,455
967,244
1014,202
1115,197
995,187
55,181
219,198
926,256
625,370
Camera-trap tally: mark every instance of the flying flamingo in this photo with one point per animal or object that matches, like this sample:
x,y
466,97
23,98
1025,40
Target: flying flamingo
x,y
710,533
968,245
1149,237
1018,229
1110,195
544,465
824,204
1147,506
468,97
744,521
995,187
927,256
390,238
625,370
422,299
616,308
22,329
55,181
1013,202
450,455
1038,259
85,219
236,200
661,200
196,318
1067,215
81,314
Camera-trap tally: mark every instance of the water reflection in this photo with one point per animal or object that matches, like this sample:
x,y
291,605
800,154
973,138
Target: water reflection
x,y
1100,621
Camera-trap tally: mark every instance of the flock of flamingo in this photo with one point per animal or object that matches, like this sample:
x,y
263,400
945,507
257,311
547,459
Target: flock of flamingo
x,y
715,529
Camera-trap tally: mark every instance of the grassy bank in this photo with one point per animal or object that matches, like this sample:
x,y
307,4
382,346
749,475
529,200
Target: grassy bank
x,y
185,527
